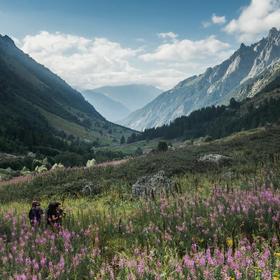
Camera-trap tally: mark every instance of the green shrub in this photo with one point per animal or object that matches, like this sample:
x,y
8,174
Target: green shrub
x,y
162,146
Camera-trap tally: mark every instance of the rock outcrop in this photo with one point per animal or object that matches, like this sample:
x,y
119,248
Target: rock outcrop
x,y
57,166
91,163
214,158
152,185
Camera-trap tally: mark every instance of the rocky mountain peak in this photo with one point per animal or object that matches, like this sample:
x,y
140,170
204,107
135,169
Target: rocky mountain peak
x,y
239,76
6,39
273,33
242,47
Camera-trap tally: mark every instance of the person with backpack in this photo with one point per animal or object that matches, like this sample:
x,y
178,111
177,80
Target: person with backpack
x,y
54,214
35,214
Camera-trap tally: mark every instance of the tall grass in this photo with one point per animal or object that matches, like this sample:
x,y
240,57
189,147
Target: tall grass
x,y
208,230
222,222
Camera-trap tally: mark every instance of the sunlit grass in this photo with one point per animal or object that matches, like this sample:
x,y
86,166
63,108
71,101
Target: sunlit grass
x,y
196,232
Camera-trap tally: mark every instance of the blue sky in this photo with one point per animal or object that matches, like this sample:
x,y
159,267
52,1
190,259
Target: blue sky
x,y
122,20
92,43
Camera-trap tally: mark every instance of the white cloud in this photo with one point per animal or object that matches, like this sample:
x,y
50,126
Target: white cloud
x,y
214,20
168,35
184,58
81,61
255,20
187,50
87,63
218,19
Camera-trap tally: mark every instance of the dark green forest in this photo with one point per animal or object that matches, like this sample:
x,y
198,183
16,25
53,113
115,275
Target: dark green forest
x,y
219,121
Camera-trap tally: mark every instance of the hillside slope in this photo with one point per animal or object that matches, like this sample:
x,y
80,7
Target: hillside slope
x,y
37,108
242,75
220,121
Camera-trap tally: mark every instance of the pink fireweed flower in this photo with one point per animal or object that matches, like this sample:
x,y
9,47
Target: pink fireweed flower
x,y
43,261
202,261
35,265
21,277
188,262
141,267
61,263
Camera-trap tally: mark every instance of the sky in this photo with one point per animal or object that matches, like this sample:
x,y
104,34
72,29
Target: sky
x,y
93,43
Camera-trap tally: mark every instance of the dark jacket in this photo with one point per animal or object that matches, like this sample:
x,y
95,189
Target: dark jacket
x,y
35,215
54,216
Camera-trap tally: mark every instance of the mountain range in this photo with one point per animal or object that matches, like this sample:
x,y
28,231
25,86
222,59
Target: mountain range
x,y
117,102
40,110
243,75
133,96
109,108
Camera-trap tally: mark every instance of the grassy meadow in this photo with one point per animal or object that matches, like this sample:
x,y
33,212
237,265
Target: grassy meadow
x,y
221,222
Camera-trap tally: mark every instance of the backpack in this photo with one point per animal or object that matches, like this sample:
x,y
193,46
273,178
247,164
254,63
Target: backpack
x,y
32,214
35,214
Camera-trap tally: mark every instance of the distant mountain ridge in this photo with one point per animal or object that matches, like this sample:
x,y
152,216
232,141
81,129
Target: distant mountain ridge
x,y
243,75
109,108
133,96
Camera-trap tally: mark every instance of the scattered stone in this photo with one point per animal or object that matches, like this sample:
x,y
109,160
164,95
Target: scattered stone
x,y
214,158
41,169
91,163
25,171
152,185
57,166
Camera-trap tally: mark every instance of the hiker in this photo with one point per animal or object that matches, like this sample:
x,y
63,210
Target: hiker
x,y
54,214
35,214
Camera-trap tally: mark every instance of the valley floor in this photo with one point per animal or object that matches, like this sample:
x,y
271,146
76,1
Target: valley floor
x,y
221,222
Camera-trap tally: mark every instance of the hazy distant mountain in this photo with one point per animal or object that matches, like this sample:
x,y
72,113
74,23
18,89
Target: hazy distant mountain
x,y
240,76
39,110
112,110
132,96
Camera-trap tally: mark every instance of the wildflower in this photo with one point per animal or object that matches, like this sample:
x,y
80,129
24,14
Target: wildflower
x,y
188,262
202,261
277,254
61,263
229,242
36,266
276,276
141,268
43,261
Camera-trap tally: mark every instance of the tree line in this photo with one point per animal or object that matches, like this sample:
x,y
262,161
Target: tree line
x,y
217,121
